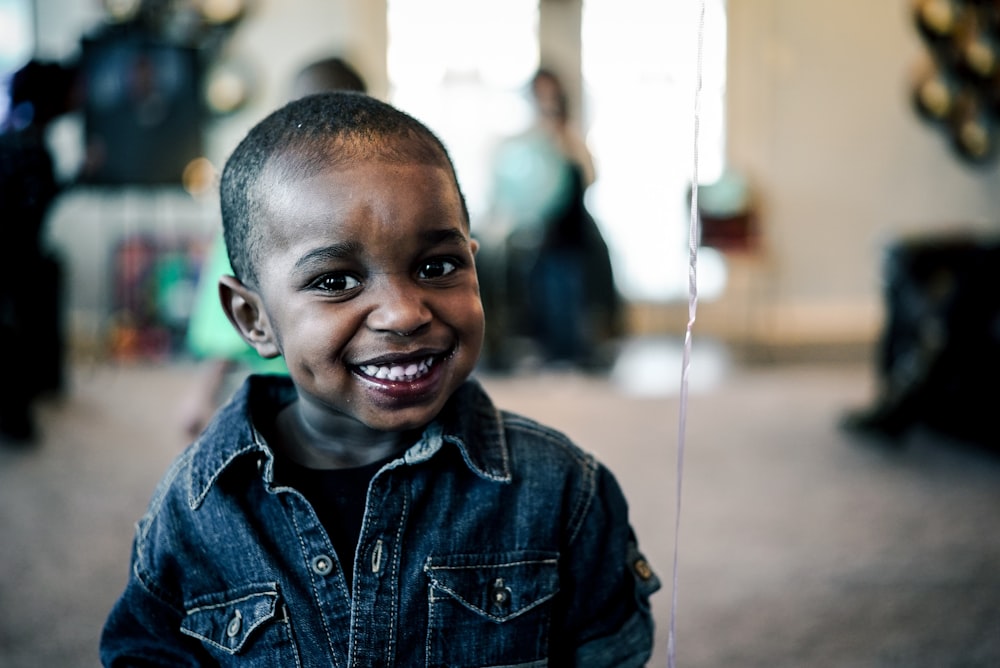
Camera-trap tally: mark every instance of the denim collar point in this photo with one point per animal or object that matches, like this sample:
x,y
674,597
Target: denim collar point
x,y
425,448
497,470
469,421
205,472
233,425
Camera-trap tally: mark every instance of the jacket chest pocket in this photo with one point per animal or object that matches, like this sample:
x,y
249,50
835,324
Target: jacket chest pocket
x,y
490,609
241,625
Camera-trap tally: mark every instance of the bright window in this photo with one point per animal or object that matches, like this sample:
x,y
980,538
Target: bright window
x,y
462,67
640,78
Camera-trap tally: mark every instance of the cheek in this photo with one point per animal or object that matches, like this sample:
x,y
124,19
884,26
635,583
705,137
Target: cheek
x,y
311,332
467,313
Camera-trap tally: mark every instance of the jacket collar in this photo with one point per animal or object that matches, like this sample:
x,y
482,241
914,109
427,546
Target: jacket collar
x,y
469,421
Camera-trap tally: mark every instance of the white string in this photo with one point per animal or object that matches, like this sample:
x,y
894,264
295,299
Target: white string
x,y
693,238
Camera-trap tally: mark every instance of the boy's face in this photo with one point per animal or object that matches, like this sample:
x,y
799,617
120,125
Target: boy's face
x,y
369,287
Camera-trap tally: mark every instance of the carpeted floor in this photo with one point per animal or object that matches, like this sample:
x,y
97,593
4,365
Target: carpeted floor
x,y
799,546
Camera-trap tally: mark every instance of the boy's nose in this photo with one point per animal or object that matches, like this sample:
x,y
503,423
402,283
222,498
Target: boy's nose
x,y
400,309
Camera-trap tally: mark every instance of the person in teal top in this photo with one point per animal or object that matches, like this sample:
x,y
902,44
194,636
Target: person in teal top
x,y
209,333
210,337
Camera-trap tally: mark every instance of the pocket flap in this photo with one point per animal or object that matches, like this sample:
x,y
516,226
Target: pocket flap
x,y
498,586
227,619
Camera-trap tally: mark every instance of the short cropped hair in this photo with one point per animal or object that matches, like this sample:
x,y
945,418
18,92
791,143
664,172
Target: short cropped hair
x,y
304,137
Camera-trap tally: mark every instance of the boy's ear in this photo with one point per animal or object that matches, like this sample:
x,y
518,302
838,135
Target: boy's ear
x,y
245,310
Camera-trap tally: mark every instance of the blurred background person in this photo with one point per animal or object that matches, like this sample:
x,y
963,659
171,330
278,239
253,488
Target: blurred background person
x,y
30,273
226,358
545,263
552,118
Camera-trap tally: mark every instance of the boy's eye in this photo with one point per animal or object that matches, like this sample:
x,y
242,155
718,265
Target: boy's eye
x,y
337,283
437,268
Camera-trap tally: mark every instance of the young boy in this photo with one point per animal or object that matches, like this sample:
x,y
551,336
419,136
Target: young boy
x,y
374,509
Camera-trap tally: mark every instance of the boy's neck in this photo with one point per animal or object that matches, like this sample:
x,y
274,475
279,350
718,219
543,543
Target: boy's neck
x,y
335,446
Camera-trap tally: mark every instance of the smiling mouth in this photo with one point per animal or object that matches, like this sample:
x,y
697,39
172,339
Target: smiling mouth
x,y
399,372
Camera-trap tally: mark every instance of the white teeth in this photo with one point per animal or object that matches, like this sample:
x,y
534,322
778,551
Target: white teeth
x,y
397,372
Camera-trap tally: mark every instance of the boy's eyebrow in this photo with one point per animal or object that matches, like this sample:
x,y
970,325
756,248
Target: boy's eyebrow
x,y
450,234
347,249
337,251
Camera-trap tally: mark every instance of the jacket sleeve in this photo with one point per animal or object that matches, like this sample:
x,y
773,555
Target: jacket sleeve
x,y
605,608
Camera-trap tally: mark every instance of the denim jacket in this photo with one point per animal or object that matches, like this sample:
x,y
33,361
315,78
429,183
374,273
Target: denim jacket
x,y
493,541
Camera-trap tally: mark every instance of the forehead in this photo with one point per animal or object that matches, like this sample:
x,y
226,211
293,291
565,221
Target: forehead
x,y
368,196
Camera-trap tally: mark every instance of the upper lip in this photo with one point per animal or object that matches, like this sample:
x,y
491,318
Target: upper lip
x,y
402,357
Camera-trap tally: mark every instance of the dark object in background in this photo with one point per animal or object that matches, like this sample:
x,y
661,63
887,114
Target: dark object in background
x,y
939,356
144,109
31,333
572,304
727,211
737,232
30,285
957,89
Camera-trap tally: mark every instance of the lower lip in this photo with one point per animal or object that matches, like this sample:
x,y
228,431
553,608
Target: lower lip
x,y
405,391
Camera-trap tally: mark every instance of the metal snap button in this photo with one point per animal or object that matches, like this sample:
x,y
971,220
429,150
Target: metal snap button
x,y
235,624
501,593
642,569
322,564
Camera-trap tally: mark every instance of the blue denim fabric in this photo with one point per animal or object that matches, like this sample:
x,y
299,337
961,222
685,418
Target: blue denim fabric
x,y
493,541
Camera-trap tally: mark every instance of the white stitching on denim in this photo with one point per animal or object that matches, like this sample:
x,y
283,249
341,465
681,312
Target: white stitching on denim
x,y
312,579
225,604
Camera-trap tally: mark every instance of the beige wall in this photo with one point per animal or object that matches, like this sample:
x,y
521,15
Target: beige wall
x,y
820,118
